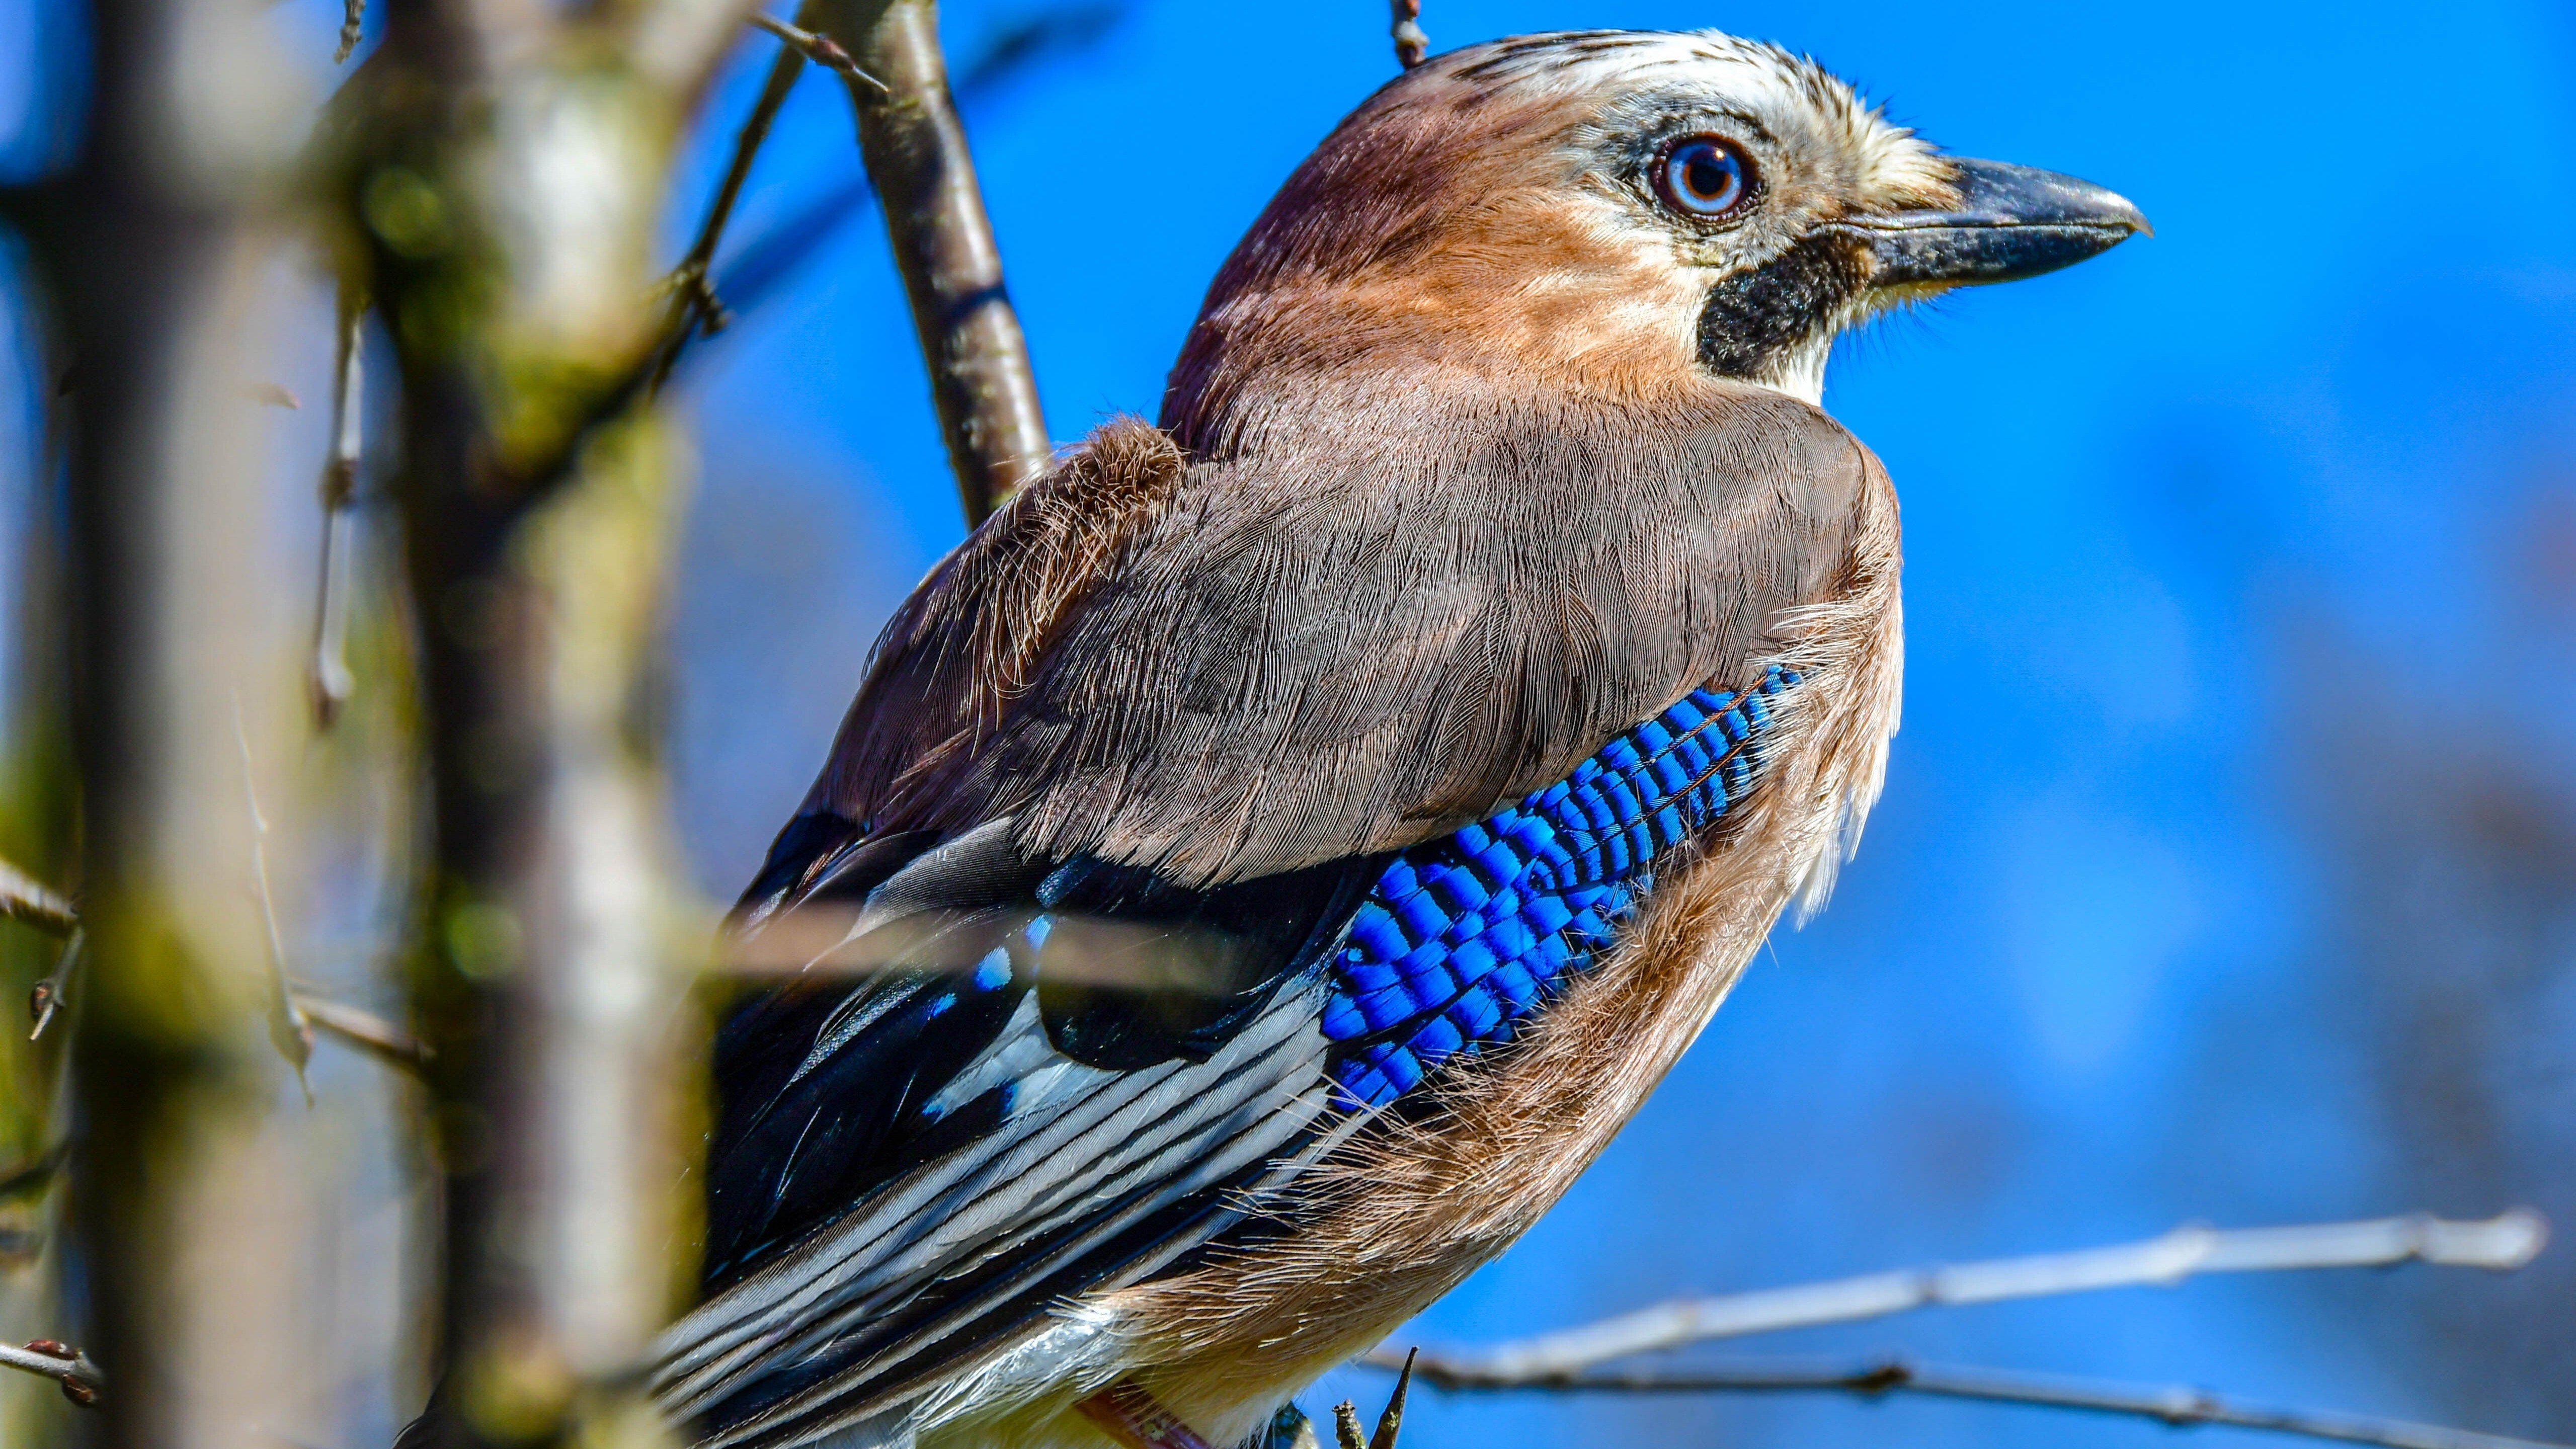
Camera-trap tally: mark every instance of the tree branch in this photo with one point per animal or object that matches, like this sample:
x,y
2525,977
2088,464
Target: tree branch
x,y
821,49
767,258
2504,1242
916,155
695,308
537,543
65,1365
2175,1405
23,899
366,1032
1411,45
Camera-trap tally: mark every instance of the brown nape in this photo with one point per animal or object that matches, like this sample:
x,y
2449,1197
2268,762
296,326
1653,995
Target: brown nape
x,y
1437,223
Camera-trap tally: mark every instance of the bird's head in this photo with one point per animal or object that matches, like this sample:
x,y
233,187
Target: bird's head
x,y
1610,212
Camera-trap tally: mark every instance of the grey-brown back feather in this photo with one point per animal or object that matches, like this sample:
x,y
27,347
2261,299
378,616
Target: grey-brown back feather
x,y
1378,616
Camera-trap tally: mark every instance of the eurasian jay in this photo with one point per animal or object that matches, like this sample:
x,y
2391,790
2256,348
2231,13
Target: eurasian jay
x,y
1270,858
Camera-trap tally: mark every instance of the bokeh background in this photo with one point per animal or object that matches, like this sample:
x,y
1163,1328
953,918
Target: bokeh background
x,y
2227,868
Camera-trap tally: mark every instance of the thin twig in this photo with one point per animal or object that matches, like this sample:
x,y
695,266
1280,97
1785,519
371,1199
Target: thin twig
x,y
1411,45
327,679
768,258
65,1365
23,899
45,999
819,48
2504,1242
695,308
2176,1405
366,1032
289,1030
702,306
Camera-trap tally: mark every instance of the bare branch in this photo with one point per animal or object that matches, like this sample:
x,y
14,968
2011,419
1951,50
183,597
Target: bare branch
x,y
700,307
65,1365
917,158
23,899
327,679
768,258
1411,45
366,1032
2505,1242
2174,1405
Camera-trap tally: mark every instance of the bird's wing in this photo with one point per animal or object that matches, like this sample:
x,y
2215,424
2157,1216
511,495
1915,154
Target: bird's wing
x,y
1344,640
1083,1038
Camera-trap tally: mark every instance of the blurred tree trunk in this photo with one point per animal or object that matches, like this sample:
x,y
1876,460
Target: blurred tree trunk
x,y
507,174
36,835
179,1201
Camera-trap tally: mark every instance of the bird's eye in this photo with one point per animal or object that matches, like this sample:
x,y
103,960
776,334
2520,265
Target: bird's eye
x,y
1705,176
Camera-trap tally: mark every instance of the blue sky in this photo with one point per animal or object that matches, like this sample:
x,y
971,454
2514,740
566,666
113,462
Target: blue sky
x,y
2236,559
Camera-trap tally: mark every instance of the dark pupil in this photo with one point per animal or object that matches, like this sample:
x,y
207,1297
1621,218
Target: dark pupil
x,y
1706,172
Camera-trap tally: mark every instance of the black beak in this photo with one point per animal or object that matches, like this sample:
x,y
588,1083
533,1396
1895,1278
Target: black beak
x,y
2012,222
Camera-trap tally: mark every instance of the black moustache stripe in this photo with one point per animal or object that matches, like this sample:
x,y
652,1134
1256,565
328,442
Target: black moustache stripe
x,y
1752,316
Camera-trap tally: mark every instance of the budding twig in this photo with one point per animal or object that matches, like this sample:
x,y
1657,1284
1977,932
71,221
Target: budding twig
x,y
821,49
2175,1405
62,1363
777,252
2504,1242
1411,45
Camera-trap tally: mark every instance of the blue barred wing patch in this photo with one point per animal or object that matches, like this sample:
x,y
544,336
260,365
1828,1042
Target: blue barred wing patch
x,y
1463,937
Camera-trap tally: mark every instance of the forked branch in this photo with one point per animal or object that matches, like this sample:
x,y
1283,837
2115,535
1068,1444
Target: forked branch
x,y
2503,1243
62,1363
2175,1405
916,155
